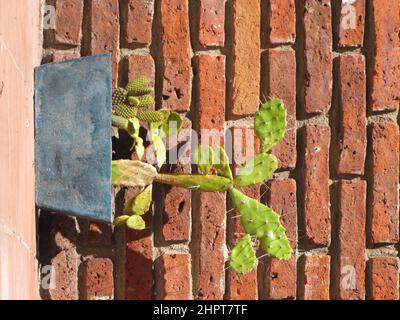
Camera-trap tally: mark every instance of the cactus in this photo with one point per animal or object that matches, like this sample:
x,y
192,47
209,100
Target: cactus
x,y
119,96
277,245
150,116
136,222
203,157
133,130
138,87
208,183
139,204
270,123
221,162
133,101
119,221
132,173
146,101
243,257
256,170
125,111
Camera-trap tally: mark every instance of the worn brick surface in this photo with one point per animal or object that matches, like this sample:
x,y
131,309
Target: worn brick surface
x,y
353,135
317,55
211,22
386,66
352,238
176,53
245,82
57,56
281,275
385,178
281,21
351,24
68,23
65,267
139,20
383,274
104,29
98,279
315,282
96,234
280,75
175,277
316,185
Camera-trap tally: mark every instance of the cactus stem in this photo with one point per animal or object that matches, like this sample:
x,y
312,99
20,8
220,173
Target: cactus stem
x,y
119,122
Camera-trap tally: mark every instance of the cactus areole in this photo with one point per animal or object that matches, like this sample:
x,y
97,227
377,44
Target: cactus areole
x,y
261,224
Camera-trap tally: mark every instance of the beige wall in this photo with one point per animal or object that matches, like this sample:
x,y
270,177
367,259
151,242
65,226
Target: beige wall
x,y
19,53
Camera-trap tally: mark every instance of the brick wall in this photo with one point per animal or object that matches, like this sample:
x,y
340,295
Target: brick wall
x,y
212,61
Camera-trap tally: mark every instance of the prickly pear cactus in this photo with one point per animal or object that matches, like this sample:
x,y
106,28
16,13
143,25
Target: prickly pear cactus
x,y
270,123
243,256
125,111
150,116
138,87
119,96
208,183
146,101
132,173
140,204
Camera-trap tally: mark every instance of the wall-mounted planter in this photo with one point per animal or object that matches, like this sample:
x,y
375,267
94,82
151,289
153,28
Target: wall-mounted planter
x,y
73,137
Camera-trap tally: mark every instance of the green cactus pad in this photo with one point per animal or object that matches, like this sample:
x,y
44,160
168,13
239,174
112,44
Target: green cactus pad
x,y
132,173
119,221
221,162
125,111
138,86
136,222
243,257
119,96
256,170
172,122
150,116
277,245
146,101
120,122
133,101
270,123
203,157
140,204
208,183
159,148
133,130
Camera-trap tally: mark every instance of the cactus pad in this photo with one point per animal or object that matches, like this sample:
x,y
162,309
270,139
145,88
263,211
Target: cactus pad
x,y
221,162
243,256
140,204
203,157
133,101
136,222
277,245
173,122
118,221
208,183
150,116
138,86
256,170
125,111
132,173
270,123
119,96
146,101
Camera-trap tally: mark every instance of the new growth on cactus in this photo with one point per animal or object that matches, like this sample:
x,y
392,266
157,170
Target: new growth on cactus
x,y
260,222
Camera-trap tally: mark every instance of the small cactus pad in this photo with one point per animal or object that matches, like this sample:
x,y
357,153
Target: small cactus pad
x,y
159,147
150,116
136,222
132,173
133,101
125,111
140,204
256,170
119,96
146,101
203,157
243,257
208,183
257,219
270,123
221,162
173,122
277,245
138,86
118,221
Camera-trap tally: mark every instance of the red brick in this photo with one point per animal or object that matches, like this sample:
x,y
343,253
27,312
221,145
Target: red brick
x,y
60,56
139,20
316,185
210,91
385,178
63,232
96,234
386,70
68,22
281,21
317,56
351,24
212,22
65,265
98,279
246,66
176,53
175,277
104,29
352,217
177,201
314,278
281,83
353,136
383,274
139,259
281,275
